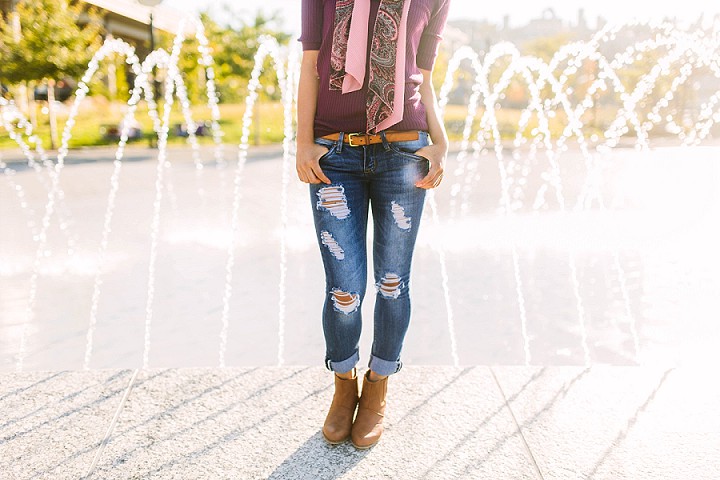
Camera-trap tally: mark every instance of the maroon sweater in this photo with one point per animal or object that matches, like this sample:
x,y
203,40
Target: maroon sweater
x,y
338,112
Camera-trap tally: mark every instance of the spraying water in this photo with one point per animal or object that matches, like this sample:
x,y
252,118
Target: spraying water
x,y
81,92
268,46
554,96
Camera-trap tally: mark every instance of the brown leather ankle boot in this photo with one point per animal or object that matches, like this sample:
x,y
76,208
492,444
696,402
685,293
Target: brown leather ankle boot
x,y
368,425
338,422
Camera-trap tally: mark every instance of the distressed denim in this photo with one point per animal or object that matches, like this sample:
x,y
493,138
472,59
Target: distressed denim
x,y
380,177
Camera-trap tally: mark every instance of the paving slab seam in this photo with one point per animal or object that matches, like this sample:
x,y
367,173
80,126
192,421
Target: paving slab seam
x,y
517,424
113,422
623,433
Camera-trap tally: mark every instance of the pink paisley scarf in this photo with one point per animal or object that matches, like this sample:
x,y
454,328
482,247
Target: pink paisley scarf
x,y
385,101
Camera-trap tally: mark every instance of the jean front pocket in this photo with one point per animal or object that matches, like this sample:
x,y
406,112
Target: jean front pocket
x,y
329,144
408,148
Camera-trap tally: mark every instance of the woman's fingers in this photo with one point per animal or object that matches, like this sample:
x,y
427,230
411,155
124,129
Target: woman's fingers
x,y
435,174
432,179
311,176
308,165
303,176
437,181
317,171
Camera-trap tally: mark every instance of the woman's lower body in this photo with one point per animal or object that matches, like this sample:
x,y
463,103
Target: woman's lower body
x,y
378,178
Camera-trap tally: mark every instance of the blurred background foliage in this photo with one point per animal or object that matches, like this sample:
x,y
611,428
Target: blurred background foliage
x,y
45,46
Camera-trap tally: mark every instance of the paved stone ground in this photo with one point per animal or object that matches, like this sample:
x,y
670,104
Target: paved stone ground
x,y
480,422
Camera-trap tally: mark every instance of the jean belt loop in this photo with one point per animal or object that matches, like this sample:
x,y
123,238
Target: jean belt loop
x,y
340,141
386,144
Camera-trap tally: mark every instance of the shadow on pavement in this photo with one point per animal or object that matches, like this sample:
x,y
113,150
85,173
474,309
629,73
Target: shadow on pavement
x,y
316,459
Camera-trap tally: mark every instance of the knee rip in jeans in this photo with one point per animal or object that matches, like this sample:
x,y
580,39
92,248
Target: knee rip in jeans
x,y
390,285
399,214
345,302
332,244
332,198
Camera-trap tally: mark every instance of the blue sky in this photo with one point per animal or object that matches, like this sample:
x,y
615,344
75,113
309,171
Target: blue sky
x,y
520,11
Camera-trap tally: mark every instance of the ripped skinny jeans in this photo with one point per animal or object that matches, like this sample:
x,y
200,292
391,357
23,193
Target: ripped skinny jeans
x,y
382,177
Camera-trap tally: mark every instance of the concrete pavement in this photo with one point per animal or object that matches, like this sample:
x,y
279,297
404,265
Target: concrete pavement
x,y
479,422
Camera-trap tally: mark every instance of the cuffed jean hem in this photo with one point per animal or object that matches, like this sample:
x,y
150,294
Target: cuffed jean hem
x,y
343,366
384,367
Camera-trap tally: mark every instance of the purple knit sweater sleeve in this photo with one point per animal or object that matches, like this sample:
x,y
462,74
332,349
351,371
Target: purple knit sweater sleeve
x,y
431,37
312,23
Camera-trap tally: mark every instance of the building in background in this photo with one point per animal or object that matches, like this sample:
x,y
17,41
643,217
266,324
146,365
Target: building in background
x,y
127,19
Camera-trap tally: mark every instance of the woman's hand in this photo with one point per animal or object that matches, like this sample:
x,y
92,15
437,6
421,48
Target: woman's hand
x,y
436,155
307,163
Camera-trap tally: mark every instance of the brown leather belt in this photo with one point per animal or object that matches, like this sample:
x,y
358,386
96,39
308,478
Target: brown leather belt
x,y
362,139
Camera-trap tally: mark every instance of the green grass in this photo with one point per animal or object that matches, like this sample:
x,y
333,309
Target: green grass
x,y
508,120
267,125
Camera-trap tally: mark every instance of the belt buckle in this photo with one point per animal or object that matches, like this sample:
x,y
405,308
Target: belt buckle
x,y
352,135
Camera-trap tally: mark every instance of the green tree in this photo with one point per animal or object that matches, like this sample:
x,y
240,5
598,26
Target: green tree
x,y
42,40
233,46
